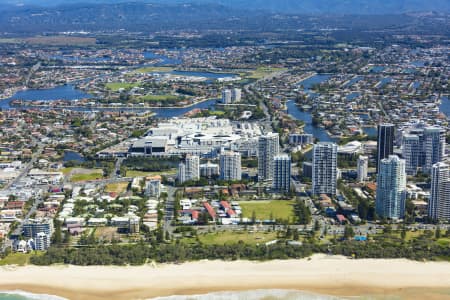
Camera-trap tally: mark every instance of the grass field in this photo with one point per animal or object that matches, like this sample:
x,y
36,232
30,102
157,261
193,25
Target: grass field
x,y
412,234
118,187
444,242
61,40
9,41
218,113
165,97
261,72
154,69
227,237
66,171
279,209
20,259
93,175
115,86
134,173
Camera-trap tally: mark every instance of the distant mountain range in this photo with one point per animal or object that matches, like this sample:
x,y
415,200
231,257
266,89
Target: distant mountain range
x,y
285,6
141,16
133,16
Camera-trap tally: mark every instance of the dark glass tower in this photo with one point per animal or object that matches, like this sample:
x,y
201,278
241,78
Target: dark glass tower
x,y
385,145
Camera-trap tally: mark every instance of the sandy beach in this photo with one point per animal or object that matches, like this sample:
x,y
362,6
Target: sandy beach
x,y
321,274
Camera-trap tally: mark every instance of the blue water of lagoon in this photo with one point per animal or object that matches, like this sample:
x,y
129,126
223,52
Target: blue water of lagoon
x,y
318,132
308,83
179,111
377,69
383,82
68,92
370,131
352,96
416,85
418,63
164,60
445,106
73,156
63,92
353,81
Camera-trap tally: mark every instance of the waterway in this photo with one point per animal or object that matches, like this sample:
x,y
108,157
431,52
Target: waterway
x,y
352,96
318,132
63,92
445,106
371,131
73,156
353,81
159,112
178,111
377,69
69,92
418,63
308,83
383,82
163,60
293,110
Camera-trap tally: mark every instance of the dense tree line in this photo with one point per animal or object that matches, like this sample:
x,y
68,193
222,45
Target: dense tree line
x,y
150,164
302,213
415,251
139,254
366,208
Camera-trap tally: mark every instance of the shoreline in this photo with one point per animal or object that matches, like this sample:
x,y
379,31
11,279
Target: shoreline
x,y
104,108
326,275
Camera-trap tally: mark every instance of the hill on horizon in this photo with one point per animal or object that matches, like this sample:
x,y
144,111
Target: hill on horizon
x,y
284,6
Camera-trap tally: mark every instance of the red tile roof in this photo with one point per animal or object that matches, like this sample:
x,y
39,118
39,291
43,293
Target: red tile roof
x,y
210,210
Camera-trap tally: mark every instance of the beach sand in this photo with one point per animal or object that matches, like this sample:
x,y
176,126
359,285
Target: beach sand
x,y
331,275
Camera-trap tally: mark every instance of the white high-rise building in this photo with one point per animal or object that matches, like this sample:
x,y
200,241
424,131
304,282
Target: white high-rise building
x,y
282,173
209,170
411,152
181,173
153,188
391,188
236,95
189,169
439,204
362,168
230,166
227,96
422,147
34,226
324,169
42,241
268,148
434,146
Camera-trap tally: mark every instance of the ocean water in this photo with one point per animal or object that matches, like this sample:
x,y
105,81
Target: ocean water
x,y
20,295
253,295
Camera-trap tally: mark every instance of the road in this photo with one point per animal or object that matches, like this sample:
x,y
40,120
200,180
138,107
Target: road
x,y
267,122
24,172
169,206
116,172
32,71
